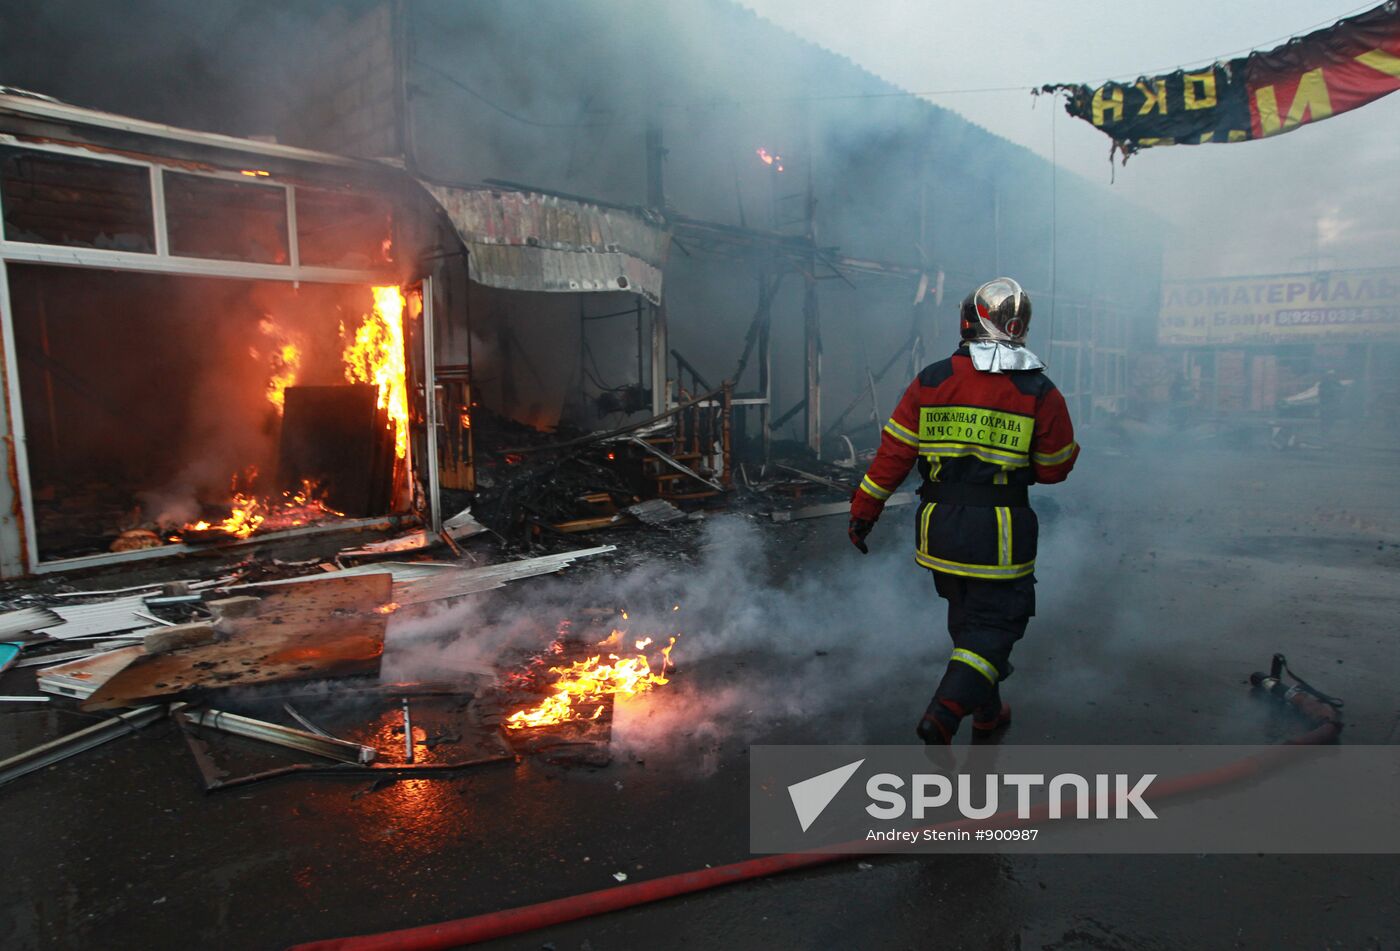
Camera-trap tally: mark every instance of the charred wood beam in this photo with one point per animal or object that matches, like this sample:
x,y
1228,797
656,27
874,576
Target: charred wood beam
x,y
593,438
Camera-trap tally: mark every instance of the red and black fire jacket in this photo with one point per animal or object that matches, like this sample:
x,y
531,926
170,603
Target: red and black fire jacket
x,y
967,429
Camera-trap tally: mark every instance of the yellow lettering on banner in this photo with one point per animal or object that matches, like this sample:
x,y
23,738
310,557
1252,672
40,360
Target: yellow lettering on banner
x,y
1154,98
1205,137
1200,90
1113,103
1381,62
1310,99
1266,101
992,429
1238,135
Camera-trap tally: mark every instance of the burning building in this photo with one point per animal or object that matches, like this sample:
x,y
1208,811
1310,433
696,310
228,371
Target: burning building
x,y
781,169
803,215
206,339
211,339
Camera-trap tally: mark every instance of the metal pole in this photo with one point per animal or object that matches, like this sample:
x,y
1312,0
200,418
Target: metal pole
x,y
765,386
660,385
813,338
726,424
279,735
430,410
407,733
811,324
641,347
74,743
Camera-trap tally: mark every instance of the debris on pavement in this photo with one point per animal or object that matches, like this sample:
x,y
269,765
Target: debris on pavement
x,y
238,725
258,627
328,627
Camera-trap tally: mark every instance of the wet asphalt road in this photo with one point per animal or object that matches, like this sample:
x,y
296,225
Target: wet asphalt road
x,y
1161,587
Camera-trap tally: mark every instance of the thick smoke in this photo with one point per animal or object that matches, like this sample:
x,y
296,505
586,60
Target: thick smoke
x,y
798,628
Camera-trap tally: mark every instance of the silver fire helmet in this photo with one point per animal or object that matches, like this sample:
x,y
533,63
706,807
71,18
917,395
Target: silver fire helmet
x,y
998,311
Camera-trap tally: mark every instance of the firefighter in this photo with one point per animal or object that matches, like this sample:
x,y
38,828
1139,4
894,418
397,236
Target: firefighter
x,y
982,425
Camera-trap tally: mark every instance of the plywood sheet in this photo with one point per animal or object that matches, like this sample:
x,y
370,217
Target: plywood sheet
x,y
324,628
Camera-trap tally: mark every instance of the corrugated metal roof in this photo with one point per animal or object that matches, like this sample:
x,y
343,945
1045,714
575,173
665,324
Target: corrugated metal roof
x,y
105,617
526,241
25,620
456,584
22,103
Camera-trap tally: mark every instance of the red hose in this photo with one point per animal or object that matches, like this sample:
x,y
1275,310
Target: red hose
x,y
511,921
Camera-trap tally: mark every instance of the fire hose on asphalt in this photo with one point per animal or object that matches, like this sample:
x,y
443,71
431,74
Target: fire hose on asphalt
x,y
1321,709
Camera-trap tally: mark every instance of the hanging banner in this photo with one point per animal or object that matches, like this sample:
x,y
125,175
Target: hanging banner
x,y
1330,306
1309,78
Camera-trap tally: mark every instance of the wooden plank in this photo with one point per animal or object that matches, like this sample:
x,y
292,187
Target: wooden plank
x,y
323,628
589,524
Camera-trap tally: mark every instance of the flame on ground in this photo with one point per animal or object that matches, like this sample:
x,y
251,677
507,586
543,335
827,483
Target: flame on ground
x,y
375,354
250,512
580,690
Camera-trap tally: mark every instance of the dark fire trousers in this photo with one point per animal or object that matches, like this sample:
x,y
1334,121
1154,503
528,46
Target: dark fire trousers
x,y
985,620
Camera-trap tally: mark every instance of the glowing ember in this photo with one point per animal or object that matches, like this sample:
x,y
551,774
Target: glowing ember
x,y
375,354
770,158
581,689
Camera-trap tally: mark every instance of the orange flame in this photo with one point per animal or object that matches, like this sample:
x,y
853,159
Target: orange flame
x,y
251,512
285,361
375,354
581,688
247,516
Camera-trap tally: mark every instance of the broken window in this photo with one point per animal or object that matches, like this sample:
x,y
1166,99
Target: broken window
x,y
228,221
77,202
339,229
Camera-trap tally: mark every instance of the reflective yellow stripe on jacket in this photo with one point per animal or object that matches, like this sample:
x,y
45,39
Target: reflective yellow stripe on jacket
x,y
906,436
871,488
1055,458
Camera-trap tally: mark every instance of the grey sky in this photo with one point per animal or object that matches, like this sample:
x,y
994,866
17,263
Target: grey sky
x,y
1325,192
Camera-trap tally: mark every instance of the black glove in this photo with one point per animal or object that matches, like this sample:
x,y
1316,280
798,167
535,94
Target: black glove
x,y
859,528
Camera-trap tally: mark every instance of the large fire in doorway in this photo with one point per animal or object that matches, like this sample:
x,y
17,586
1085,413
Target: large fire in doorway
x,y
371,353
375,354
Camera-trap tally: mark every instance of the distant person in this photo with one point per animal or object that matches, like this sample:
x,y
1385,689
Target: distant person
x,y
982,425
1179,397
1329,404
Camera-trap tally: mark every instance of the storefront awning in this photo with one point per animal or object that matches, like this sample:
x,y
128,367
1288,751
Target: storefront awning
x,y
526,241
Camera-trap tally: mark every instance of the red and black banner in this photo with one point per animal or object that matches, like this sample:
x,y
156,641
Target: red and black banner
x,y
1307,79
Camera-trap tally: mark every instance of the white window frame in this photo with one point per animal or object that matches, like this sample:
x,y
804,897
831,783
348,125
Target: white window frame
x,y
19,543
